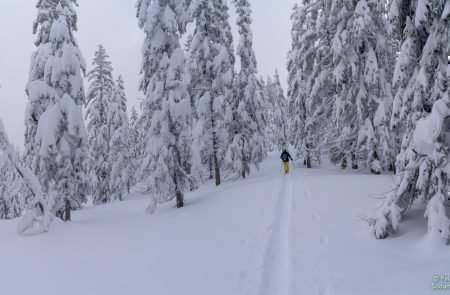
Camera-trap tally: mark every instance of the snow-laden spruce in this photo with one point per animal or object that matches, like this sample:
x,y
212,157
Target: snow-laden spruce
x,y
166,107
277,130
119,151
421,110
135,143
97,101
56,134
310,87
37,217
210,74
246,115
12,192
362,98
300,68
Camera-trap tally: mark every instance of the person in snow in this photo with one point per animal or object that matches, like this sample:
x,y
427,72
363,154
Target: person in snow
x,y
285,156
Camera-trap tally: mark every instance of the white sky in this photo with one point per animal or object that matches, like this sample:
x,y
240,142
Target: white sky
x,y
113,24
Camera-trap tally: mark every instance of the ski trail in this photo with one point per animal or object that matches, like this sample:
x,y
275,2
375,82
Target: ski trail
x,y
276,268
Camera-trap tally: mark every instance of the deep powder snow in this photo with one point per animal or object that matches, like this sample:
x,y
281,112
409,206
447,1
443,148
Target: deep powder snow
x,y
269,234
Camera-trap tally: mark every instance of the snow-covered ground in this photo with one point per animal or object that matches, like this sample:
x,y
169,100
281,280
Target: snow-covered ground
x,y
270,234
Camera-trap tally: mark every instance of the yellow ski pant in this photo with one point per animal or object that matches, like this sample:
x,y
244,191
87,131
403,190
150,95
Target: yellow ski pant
x,y
286,167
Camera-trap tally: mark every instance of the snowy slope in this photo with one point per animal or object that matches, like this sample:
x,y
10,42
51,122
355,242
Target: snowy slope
x,y
270,234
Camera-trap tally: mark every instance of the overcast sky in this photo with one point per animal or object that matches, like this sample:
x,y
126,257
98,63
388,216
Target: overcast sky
x,y
113,24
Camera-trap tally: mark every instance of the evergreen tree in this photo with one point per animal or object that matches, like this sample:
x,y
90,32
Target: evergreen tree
x,y
56,134
134,143
360,57
238,157
277,127
99,93
374,140
252,103
350,91
11,188
310,87
38,216
246,117
300,69
119,157
167,102
210,71
422,100
40,95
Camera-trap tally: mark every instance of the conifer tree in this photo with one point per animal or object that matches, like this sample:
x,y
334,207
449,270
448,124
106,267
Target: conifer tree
x,y
97,100
210,73
11,188
310,87
300,68
277,127
166,104
119,157
56,133
422,100
38,216
248,90
134,144
246,115
360,57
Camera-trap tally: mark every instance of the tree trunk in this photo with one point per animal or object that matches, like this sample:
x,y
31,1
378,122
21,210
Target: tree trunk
x,y
211,170
66,211
344,163
216,162
180,200
391,168
354,162
243,160
308,160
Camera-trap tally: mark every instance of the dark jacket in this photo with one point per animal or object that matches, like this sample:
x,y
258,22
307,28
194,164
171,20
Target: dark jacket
x,y
285,156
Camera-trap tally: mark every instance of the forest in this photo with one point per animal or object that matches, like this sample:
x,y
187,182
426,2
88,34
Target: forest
x,y
368,91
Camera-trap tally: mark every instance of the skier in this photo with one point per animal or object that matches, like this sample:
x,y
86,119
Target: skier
x,y
285,156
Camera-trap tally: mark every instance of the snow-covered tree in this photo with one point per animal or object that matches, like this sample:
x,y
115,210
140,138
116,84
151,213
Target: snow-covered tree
x,y
363,96
297,109
238,157
246,119
134,143
37,217
166,104
310,87
56,135
40,96
374,98
277,123
210,72
300,69
119,153
97,100
11,188
421,81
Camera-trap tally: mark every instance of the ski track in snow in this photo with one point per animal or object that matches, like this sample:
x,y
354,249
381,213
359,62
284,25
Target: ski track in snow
x,y
277,267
